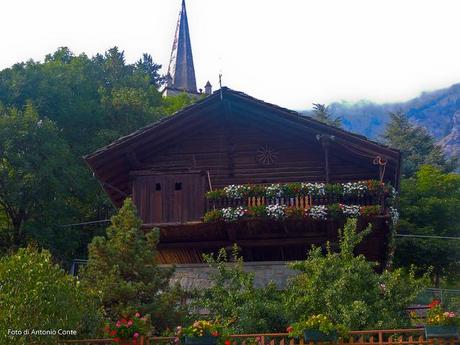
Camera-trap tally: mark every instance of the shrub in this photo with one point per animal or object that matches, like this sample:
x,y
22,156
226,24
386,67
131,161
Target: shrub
x,y
347,289
233,299
36,294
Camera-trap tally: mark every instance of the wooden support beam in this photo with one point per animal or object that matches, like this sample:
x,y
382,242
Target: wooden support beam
x,y
245,243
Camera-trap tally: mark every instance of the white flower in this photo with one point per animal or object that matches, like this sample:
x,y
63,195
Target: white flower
x,y
274,190
394,214
314,188
276,211
318,212
355,188
350,210
230,214
235,191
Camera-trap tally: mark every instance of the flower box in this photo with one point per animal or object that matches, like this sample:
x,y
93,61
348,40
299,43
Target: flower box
x,y
204,340
441,332
316,335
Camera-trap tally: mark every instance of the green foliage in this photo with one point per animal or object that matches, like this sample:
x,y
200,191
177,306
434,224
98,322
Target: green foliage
x,y
34,169
318,322
324,114
201,328
213,216
370,210
234,300
82,103
335,211
37,294
176,103
258,211
417,146
347,289
123,267
430,205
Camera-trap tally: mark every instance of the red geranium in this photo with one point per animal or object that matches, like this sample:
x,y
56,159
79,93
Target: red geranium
x,y
434,304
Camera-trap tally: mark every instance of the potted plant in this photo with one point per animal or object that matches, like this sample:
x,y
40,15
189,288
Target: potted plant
x,y
316,328
441,324
127,330
201,332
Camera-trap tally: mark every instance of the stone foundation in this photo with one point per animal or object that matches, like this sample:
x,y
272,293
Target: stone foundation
x,y
191,276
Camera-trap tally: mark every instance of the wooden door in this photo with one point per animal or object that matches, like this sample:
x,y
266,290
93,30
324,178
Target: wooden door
x,y
170,198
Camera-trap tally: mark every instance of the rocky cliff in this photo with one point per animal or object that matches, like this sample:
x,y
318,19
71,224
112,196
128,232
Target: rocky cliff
x,y
438,111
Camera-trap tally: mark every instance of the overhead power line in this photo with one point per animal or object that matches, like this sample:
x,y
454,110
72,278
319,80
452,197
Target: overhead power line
x,y
85,223
428,236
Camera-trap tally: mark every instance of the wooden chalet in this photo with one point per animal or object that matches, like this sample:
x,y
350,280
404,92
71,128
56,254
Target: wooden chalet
x,y
230,138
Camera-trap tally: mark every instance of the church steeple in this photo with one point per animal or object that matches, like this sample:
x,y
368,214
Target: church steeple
x,y
181,70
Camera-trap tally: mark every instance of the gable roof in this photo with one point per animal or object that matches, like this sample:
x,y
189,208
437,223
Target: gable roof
x,y
110,162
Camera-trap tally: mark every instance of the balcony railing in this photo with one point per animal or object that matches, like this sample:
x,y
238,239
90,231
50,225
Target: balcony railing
x,y
301,200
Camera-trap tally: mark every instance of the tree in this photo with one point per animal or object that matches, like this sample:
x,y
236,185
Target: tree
x,y
347,289
430,205
91,101
36,294
417,146
123,267
324,114
233,299
34,172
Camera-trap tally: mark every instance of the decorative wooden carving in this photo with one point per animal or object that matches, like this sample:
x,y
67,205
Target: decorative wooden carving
x,y
266,155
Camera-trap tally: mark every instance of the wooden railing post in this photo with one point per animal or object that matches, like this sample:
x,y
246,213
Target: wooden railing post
x,y
380,338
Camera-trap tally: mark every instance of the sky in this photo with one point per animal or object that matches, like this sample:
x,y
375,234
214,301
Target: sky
x,y
288,52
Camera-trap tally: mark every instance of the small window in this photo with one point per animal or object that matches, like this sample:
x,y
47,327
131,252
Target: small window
x,y
158,187
178,186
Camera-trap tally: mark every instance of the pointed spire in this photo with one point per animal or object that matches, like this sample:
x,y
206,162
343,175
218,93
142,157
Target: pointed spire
x,y
181,67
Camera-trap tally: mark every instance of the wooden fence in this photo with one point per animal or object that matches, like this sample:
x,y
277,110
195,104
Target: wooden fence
x,y
414,336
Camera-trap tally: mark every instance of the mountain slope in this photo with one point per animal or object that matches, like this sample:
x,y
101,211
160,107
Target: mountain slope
x,y
438,111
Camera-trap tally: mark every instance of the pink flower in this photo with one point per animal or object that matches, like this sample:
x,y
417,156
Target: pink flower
x,y
137,315
130,323
136,335
118,324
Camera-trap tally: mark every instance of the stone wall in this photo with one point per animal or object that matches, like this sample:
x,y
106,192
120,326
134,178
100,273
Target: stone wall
x,y
191,276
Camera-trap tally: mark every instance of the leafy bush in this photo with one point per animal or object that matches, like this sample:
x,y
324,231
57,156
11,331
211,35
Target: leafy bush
x,y
36,294
235,301
347,289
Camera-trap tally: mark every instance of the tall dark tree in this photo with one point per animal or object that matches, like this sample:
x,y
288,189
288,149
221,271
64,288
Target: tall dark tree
x,y
34,169
122,266
417,146
430,206
324,113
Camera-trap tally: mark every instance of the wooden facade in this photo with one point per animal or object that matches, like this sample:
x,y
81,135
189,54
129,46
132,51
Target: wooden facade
x,y
231,138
